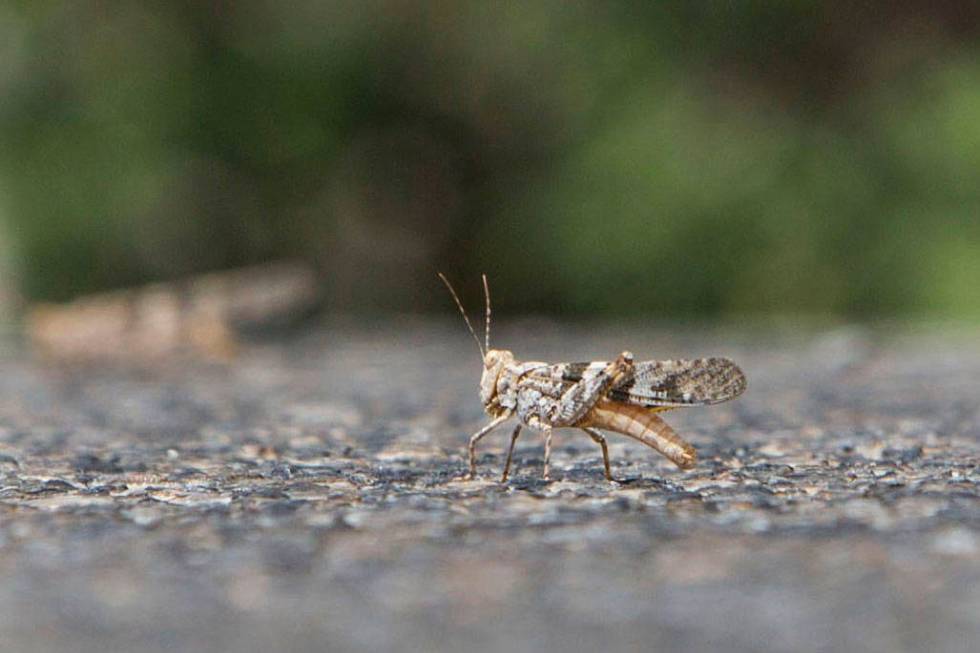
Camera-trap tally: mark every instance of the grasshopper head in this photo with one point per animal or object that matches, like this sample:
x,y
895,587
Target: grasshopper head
x,y
493,364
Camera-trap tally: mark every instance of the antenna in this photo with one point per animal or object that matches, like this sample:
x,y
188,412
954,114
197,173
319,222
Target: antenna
x,y
486,293
463,311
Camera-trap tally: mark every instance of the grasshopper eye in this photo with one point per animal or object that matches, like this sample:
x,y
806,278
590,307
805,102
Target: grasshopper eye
x,y
491,359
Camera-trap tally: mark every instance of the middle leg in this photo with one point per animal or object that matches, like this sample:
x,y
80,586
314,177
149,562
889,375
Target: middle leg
x,y
510,452
547,453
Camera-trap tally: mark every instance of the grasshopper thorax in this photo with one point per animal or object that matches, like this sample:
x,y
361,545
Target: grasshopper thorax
x,y
494,363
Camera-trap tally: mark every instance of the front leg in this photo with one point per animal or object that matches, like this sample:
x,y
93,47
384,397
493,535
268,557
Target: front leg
x,y
576,402
478,436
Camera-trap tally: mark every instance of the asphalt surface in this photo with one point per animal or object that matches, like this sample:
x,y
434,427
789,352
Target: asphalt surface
x,y
307,496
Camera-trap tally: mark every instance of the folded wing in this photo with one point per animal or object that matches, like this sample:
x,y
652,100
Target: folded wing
x,y
675,383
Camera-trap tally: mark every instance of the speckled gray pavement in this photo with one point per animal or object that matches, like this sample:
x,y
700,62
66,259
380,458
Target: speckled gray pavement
x,y
306,497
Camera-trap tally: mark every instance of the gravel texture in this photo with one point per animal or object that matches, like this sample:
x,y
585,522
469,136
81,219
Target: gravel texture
x,y
307,497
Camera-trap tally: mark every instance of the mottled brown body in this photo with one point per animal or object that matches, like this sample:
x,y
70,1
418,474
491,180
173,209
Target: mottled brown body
x,y
621,396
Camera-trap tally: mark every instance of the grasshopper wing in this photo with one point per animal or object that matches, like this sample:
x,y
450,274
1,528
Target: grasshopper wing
x,y
675,383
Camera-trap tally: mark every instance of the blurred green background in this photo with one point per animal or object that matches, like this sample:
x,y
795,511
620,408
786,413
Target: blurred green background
x,y
672,158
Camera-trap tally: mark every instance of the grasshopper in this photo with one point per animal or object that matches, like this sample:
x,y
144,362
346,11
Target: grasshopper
x,y
623,396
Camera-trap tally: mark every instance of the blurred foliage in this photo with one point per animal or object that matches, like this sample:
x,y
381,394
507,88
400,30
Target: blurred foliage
x,y
670,158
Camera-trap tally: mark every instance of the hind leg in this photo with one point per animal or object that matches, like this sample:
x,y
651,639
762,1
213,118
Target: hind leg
x,y
598,437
